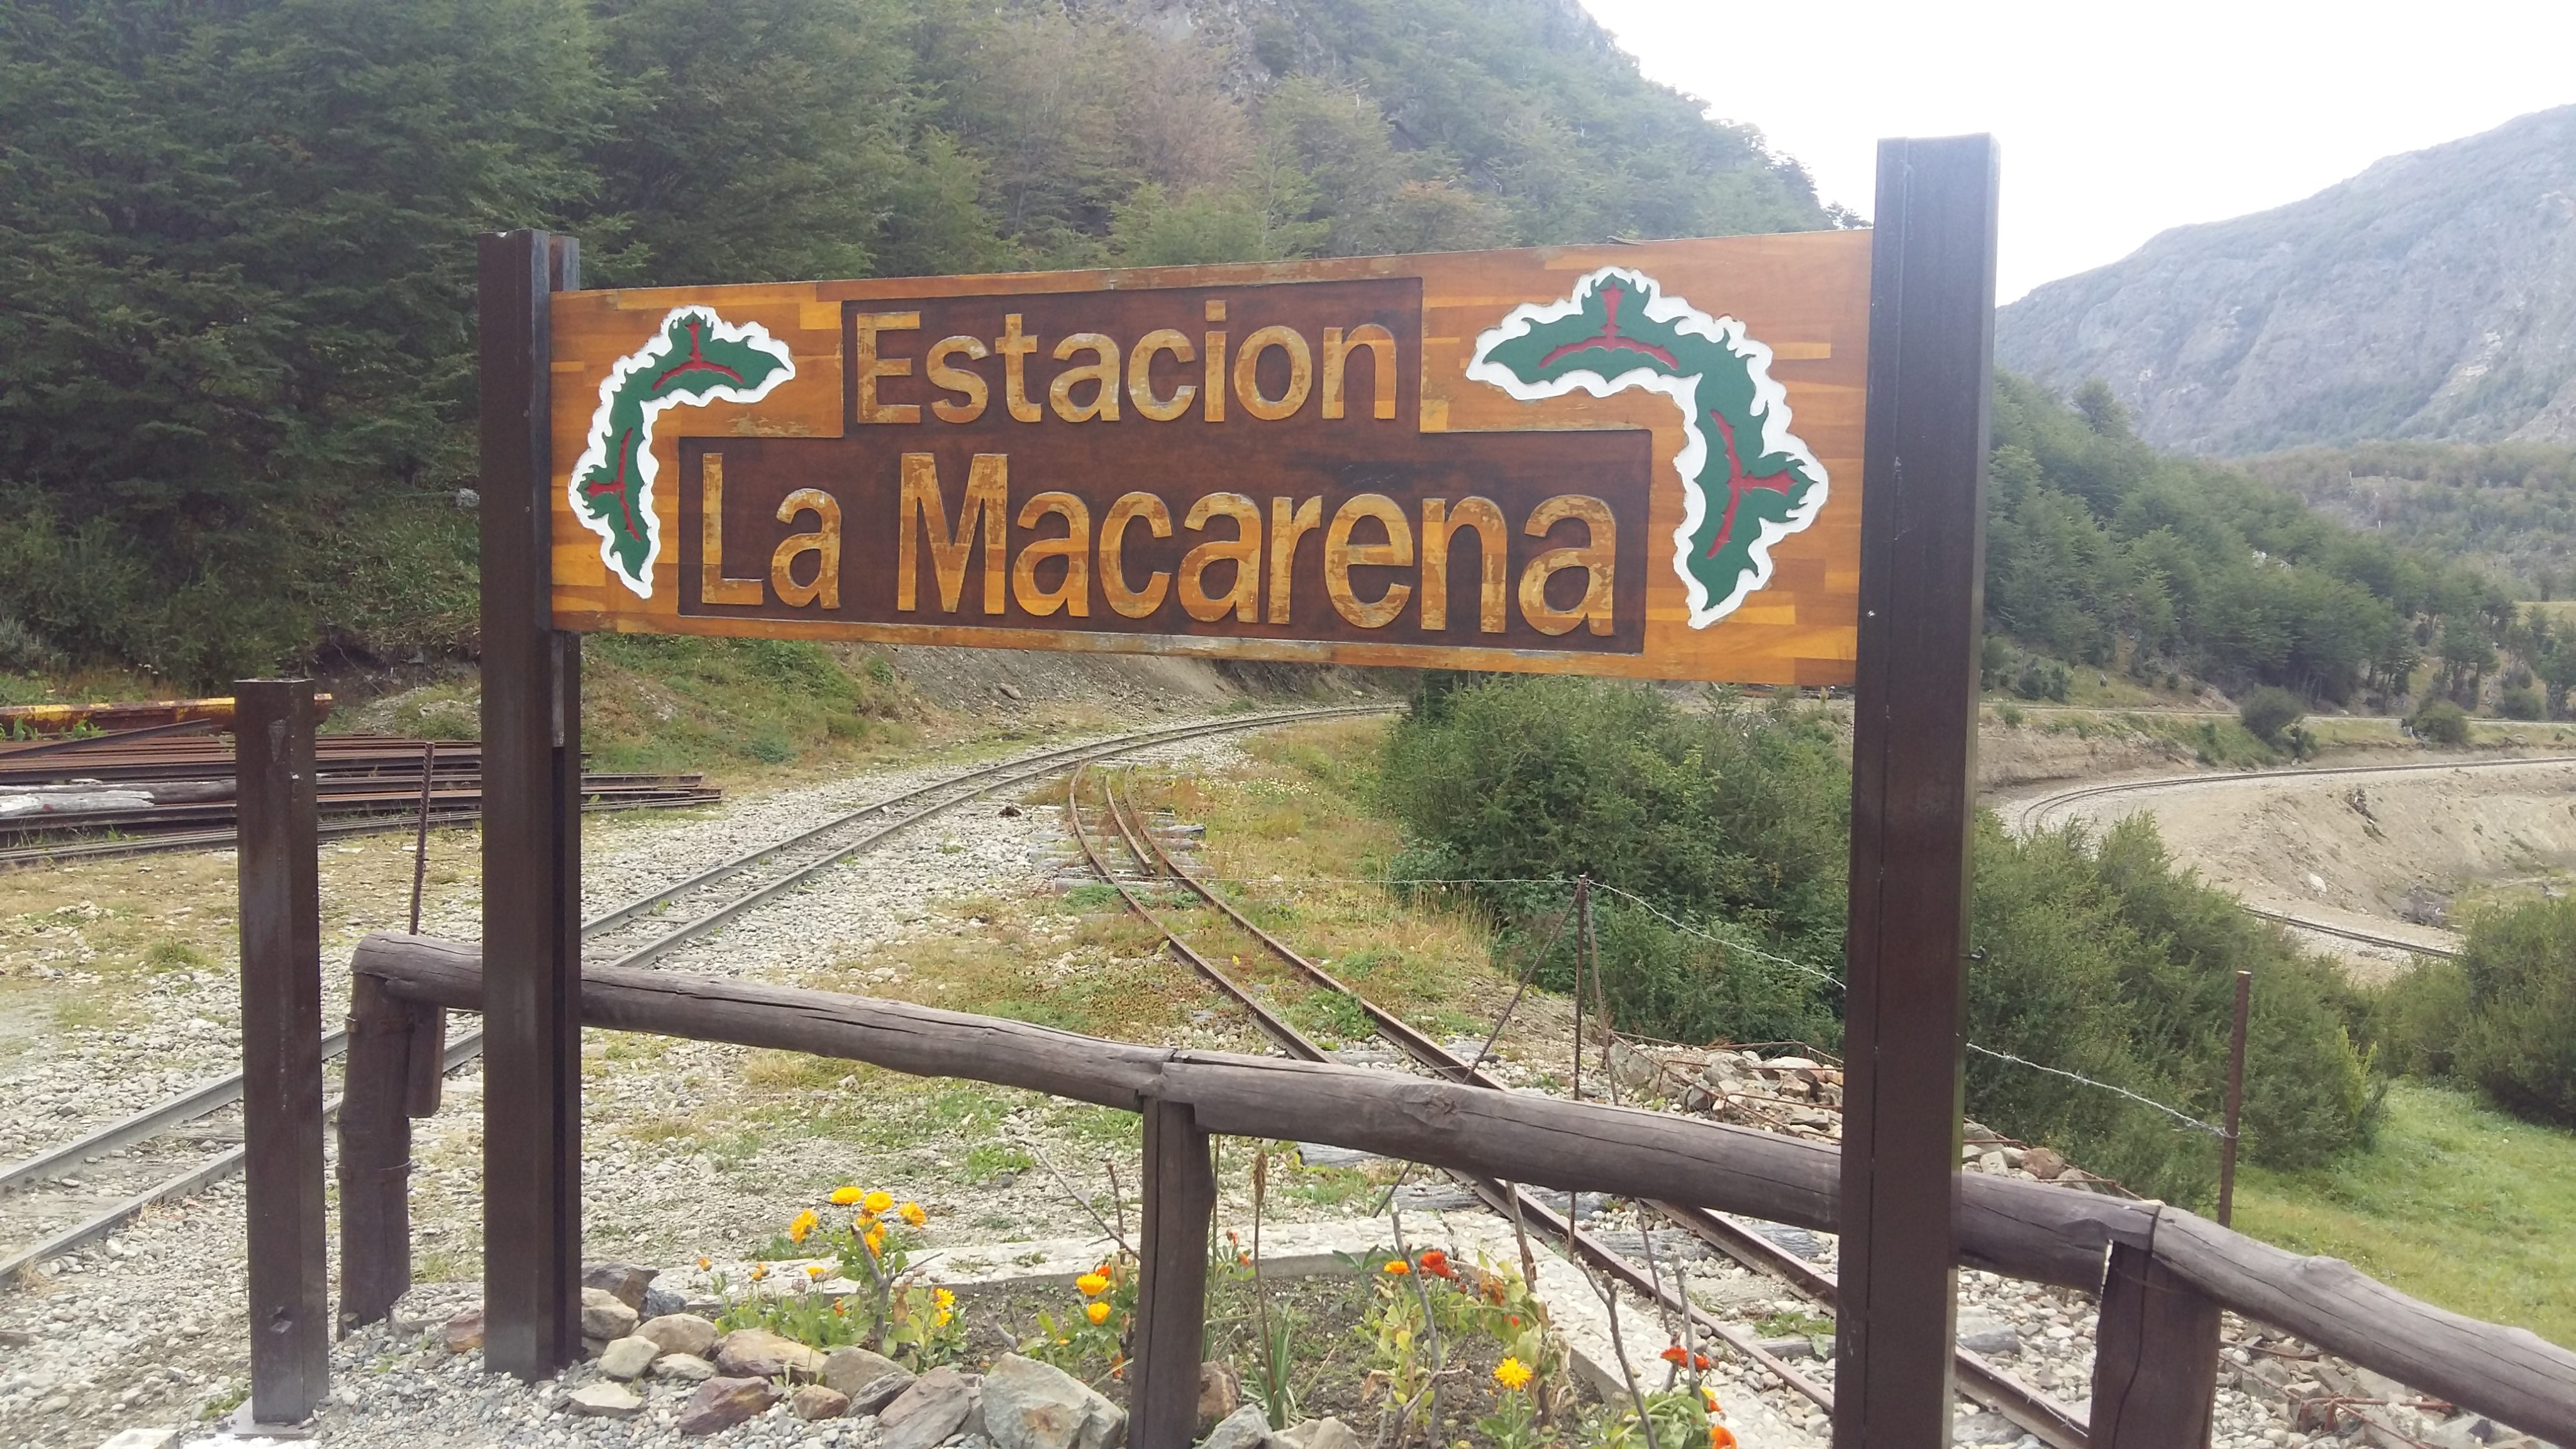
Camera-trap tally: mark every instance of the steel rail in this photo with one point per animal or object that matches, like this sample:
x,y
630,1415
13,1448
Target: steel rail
x,y
213,1095
2348,933
2033,815
1502,1197
2052,1422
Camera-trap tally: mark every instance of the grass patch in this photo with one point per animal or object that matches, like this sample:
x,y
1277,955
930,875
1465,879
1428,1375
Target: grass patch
x,y
2461,1205
655,703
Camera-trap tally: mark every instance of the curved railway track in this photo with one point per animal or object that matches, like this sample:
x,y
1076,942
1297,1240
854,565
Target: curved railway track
x,y
632,934
2052,1422
2035,815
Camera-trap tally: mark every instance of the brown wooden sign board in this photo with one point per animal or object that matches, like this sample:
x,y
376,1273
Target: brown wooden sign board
x,y
1639,461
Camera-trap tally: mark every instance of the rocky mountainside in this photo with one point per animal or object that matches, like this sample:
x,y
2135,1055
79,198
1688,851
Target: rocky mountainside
x,y
2432,296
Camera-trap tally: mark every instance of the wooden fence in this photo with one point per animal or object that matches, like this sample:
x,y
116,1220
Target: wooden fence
x,y
2163,1274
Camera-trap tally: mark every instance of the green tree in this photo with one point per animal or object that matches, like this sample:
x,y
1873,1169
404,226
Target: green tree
x,y
2519,1039
2268,711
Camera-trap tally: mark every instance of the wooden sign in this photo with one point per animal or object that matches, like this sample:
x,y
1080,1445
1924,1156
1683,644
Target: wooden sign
x,y
1637,460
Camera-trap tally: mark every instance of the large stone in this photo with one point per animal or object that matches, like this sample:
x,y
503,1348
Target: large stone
x,y
817,1402
2043,1163
660,1301
880,1391
1219,1393
723,1403
1324,1433
464,1332
1245,1428
685,1368
681,1333
603,1401
625,1280
605,1316
154,1438
928,1412
628,1358
853,1368
1031,1405
756,1353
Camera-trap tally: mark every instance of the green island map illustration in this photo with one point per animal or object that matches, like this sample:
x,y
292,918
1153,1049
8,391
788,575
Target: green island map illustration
x,y
694,358
1618,330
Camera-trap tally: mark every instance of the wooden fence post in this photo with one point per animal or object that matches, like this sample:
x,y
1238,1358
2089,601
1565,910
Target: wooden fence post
x,y
1931,370
531,835
2155,1357
1171,1297
281,1011
375,1153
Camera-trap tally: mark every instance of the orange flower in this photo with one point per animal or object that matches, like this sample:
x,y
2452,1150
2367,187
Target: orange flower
x,y
1513,1319
1700,1361
1674,1355
875,1240
913,1214
1436,1263
1398,1267
840,1308
1720,1437
1096,1311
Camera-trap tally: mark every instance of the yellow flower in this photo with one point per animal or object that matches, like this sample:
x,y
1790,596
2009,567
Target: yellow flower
x,y
1511,1373
913,1214
1097,1312
945,1298
1092,1285
703,1265
875,1240
878,1202
805,1223
845,1195
1398,1267
815,1270
759,1271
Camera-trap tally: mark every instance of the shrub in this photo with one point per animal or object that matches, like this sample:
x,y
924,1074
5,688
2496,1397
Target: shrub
x,y
2268,711
2519,1040
2522,702
2442,723
2042,679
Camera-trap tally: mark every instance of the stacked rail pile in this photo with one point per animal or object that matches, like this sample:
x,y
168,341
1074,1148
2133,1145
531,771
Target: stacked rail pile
x,y
152,789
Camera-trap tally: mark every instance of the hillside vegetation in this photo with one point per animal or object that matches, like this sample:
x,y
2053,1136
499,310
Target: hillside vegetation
x,y
2510,508
236,259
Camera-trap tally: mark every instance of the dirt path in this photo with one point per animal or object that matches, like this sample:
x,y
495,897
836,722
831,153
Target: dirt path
x,y
2374,849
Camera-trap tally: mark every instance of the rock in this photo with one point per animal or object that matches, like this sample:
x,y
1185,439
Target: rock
x,y
817,1402
705,1305
625,1280
1245,1428
756,1353
1986,1334
2042,1163
723,1403
659,1302
852,1369
686,1368
880,1391
1219,1393
141,1439
605,1316
681,1333
1984,1427
464,1332
1634,1070
1030,1405
1324,1433
926,1413
628,1358
603,1401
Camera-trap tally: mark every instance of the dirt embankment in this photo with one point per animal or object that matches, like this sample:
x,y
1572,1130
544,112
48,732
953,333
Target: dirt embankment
x,y
2008,757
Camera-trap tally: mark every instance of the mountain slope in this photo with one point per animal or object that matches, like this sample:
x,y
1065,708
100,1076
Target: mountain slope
x,y
2432,296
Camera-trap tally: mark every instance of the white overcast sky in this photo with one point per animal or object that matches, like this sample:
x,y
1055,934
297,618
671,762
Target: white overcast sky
x,y
2118,118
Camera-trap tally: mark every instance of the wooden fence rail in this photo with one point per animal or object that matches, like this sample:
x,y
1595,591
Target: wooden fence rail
x,y
2169,1270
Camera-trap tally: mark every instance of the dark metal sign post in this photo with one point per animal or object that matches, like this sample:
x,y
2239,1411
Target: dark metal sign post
x,y
531,837
1923,546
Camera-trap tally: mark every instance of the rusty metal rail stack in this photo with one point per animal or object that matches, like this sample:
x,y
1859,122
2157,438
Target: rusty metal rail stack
x,y
170,787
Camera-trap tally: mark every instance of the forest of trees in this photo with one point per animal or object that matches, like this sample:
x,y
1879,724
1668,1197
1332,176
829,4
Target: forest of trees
x,y
2103,552
236,278
2510,506
236,257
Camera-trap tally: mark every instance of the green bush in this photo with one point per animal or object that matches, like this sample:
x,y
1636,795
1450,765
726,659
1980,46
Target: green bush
x,y
2519,1040
2098,955
2042,679
2443,723
2522,702
2268,711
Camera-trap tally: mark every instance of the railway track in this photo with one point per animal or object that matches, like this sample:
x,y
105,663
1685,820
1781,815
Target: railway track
x,y
2035,1412
2036,815
632,934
